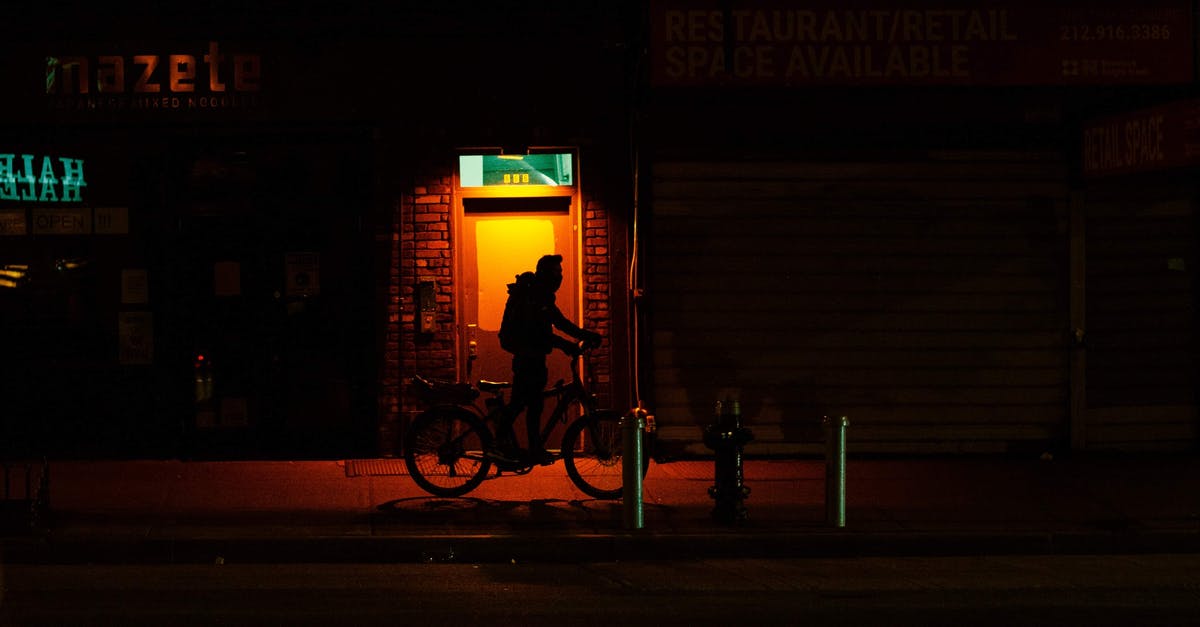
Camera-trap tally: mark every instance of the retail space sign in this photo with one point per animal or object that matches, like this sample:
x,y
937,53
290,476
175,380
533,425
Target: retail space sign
x,y
774,43
1157,138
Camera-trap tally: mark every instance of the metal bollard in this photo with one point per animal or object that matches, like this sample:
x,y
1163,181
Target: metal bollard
x,y
835,470
632,426
726,437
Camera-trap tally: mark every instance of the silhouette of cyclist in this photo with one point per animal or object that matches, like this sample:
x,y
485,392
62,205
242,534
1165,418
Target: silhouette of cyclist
x,y
527,331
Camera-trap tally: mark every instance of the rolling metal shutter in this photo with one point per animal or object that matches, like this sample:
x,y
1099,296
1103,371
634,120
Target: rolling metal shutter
x,y
926,301
1141,316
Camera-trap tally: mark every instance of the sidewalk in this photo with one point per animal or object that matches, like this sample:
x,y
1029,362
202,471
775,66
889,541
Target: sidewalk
x,y
367,510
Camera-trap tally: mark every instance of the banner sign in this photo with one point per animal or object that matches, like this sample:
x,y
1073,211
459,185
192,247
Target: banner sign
x,y
206,76
1157,138
776,43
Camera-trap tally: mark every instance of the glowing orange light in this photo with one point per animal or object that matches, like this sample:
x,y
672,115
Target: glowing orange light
x,y
507,247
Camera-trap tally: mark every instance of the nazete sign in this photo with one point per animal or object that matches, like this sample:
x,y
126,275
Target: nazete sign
x,y
184,73
43,178
199,77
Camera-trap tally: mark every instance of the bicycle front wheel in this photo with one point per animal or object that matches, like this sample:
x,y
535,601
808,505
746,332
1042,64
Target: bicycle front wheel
x,y
592,451
444,451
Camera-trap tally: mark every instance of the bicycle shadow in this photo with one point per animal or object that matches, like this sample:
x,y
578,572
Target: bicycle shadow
x,y
474,512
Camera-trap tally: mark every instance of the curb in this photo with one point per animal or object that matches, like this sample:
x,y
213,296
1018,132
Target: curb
x,y
575,548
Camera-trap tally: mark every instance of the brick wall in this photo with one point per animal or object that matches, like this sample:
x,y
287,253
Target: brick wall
x,y
388,298
597,284
420,249
419,246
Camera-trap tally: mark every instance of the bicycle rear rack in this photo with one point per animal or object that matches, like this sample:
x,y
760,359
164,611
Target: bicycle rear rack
x,y
439,391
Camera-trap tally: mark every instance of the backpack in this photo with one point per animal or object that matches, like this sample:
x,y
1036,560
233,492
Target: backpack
x,y
518,326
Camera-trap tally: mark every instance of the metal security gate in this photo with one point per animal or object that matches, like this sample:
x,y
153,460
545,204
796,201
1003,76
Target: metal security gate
x,y
1140,339
925,300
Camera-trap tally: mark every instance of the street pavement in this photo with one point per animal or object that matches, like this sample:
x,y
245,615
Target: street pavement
x,y
178,511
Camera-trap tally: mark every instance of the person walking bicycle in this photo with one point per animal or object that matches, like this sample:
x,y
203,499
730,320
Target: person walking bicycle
x,y
527,331
444,446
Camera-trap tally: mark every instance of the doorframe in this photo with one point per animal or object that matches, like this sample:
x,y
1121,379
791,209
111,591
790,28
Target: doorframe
x,y
457,218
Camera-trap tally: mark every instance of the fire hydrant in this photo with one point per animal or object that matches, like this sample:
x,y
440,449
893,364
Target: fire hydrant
x,y
726,437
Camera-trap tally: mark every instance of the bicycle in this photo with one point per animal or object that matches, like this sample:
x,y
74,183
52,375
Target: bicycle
x,y
446,444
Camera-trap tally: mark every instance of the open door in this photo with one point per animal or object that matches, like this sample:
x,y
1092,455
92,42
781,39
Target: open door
x,y
501,238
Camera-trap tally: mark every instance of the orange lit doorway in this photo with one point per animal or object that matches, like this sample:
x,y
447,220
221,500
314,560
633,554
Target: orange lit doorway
x,y
499,239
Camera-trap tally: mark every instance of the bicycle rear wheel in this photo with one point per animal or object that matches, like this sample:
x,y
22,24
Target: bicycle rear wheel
x,y
444,451
592,449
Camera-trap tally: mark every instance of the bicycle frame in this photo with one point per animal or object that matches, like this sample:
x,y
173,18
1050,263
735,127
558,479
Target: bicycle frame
x,y
565,394
448,444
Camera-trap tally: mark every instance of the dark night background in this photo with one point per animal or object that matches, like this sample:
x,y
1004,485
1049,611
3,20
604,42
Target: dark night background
x,y
916,255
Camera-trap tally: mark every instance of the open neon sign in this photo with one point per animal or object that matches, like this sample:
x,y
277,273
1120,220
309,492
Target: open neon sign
x,y
44,179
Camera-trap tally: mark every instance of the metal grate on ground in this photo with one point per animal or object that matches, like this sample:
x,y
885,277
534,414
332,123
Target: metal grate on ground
x,y
375,467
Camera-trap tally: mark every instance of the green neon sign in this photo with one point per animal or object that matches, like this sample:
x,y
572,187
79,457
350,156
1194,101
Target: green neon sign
x,y
41,179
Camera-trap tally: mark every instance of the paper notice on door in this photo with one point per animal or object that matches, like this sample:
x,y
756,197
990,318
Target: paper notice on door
x,y
135,337
135,289
303,274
